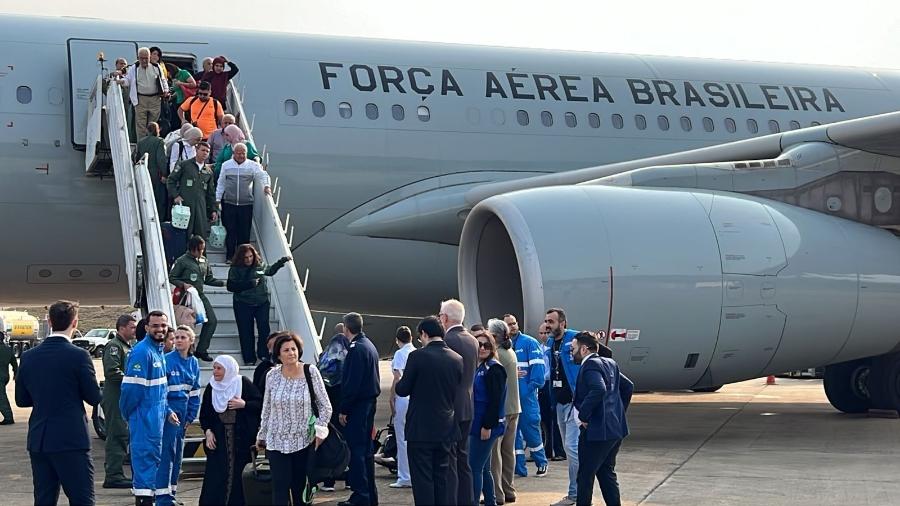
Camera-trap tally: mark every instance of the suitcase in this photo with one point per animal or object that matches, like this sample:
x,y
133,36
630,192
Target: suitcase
x,y
174,242
257,481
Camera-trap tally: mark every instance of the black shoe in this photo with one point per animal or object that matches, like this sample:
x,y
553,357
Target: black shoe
x,y
510,499
203,356
123,483
557,458
8,421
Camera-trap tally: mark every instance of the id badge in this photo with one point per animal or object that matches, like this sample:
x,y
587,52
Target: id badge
x,y
189,182
557,383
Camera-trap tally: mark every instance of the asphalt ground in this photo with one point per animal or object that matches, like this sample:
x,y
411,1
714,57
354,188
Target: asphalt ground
x,y
750,443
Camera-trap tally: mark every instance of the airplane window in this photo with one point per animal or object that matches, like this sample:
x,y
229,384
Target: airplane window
x,y
371,111
291,108
318,109
686,124
617,121
397,112
473,114
752,126
663,122
730,125
522,117
594,120
345,110
815,123
795,125
498,117
708,124
640,122
23,94
773,126
571,122
546,118
424,113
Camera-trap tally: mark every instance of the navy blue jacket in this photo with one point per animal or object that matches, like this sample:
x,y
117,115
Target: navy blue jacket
x,y
56,379
360,380
602,395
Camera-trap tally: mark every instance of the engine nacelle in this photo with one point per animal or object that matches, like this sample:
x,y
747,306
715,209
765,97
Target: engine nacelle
x,y
703,287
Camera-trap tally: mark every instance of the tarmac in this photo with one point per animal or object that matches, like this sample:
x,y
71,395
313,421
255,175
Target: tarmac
x,y
750,443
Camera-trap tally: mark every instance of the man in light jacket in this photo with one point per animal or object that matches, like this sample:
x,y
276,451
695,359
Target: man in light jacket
x,y
146,89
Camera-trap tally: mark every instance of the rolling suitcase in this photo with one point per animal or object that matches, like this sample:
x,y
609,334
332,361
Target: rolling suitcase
x,y
257,481
174,242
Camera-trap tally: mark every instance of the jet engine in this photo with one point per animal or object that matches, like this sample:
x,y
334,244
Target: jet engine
x,y
697,288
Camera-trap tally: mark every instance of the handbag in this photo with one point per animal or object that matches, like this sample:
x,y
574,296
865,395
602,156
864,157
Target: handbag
x,y
330,459
217,234
188,92
184,313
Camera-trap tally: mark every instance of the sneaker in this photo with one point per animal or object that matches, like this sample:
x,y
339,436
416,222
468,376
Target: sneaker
x,y
541,471
565,501
400,484
323,488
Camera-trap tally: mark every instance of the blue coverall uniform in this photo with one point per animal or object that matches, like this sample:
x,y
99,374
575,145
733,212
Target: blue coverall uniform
x,y
530,358
143,404
183,400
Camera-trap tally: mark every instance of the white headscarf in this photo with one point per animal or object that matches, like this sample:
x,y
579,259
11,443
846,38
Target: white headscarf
x,y
229,387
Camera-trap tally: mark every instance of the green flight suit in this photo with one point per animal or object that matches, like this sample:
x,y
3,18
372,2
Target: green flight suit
x,y
7,359
115,356
197,187
158,166
196,272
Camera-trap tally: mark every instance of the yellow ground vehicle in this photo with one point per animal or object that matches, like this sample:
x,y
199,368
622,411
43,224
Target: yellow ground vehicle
x,y
21,328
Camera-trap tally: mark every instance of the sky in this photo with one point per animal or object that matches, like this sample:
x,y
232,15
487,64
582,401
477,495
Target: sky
x,y
856,33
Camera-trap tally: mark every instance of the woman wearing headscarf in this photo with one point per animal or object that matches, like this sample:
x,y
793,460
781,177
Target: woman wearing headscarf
x,y
229,417
219,78
291,425
233,135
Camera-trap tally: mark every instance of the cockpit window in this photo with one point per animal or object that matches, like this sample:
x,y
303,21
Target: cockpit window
x,y
23,94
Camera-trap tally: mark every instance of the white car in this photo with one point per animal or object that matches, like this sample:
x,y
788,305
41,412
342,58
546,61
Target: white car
x,y
95,340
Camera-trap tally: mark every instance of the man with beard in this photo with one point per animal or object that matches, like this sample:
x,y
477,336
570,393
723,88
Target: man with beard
x,y
143,404
563,373
602,395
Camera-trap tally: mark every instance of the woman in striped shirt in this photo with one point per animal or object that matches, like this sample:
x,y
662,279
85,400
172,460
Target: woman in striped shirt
x,y
289,428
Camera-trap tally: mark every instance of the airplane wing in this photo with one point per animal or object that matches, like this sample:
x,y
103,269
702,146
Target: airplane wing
x,y
438,214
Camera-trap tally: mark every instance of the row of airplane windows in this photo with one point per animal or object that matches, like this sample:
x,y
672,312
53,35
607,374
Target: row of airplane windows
x,y
345,110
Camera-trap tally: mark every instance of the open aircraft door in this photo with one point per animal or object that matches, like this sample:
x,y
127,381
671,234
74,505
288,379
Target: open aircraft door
x,y
84,67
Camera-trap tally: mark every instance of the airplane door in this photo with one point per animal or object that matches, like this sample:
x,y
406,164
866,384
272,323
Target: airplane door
x,y
84,68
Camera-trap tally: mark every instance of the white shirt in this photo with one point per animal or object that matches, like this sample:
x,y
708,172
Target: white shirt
x,y
186,154
401,356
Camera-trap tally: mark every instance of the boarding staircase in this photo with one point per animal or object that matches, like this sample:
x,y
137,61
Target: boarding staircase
x,y
108,144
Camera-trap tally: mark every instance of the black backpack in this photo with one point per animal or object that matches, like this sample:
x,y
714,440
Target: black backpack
x,y
331,459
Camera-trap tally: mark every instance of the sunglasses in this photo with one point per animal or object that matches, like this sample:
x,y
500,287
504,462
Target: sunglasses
x,y
484,345
202,94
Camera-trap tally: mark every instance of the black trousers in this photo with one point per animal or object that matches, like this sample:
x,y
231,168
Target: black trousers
x,y
459,481
553,442
245,315
74,470
429,469
597,459
334,396
288,476
237,221
358,433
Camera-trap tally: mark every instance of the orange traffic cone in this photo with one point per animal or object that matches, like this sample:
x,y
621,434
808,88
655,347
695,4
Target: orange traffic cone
x,y
770,380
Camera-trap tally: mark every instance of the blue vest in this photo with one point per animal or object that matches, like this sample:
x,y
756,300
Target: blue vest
x,y
480,394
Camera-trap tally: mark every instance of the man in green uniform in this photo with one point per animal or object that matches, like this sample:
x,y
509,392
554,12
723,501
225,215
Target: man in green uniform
x,y
192,269
158,166
115,355
191,184
7,359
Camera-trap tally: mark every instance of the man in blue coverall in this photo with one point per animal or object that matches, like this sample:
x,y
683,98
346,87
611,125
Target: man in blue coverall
x,y
530,369
563,374
143,404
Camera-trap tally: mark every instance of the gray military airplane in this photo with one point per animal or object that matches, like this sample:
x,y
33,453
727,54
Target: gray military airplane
x,y
721,220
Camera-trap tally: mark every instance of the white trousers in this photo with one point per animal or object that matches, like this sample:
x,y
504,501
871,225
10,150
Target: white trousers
x,y
401,405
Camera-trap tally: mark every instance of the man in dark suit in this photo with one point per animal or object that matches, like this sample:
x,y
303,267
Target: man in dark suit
x,y
56,379
602,395
463,343
430,380
360,386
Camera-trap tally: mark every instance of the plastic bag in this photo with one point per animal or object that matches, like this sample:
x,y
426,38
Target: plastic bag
x,y
196,303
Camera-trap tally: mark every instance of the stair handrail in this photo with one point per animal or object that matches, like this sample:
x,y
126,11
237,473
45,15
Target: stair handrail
x,y
286,289
126,194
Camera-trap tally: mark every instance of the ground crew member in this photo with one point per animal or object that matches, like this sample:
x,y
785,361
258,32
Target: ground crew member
x,y
115,356
7,359
531,370
191,184
183,372
143,404
193,269
157,164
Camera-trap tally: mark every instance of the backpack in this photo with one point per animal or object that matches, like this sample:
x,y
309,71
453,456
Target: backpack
x,y
331,363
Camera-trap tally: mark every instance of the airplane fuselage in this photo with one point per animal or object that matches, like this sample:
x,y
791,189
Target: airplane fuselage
x,y
351,125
